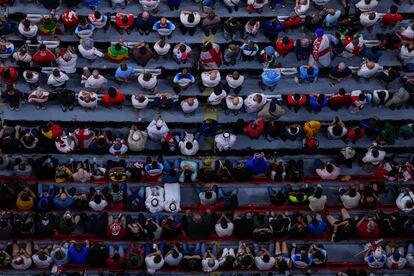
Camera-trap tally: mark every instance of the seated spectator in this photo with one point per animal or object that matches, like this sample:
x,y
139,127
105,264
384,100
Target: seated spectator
x,y
197,226
78,253
188,145
328,172
316,226
395,260
22,257
392,17
398,99
369,195
234,82
369,69
189,21
145,21
264,259
252,27
27,29
255,128
375,256
405,200
113,98
67,60
225,141
337,129
99,21
150,5
317,200
22,57
317,101
13,97
302,259
31,77
372,54
249,50
210,78
57,79
224,226
293,21
84,28
147,81
339,73
231,54
269,79
271,28
182,53
157,129
307,74
164,27
88,51
124,22
232,27
25,199
142,53
210,55
183,80
209,261
244,257
63,200
44,57
123,73
88,100
117,52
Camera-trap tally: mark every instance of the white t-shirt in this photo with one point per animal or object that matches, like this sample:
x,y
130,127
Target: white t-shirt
x,y
224,143
214,99
92,53
57,81
187,108
42,264
317,204
93,83
366,7
184,19
32,32
207,82
261,265
207,268
207,201
234,83
351,202
364,72
230,104
149,5
369,158
188,152
227,232
147,84
162,51
137,104
98,207
151,266
366,22
171,261
157,134
34,79
252,106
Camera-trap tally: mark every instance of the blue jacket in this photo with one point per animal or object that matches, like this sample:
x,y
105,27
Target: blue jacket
x,y
313,103
270,81
306,77
270,30
256,165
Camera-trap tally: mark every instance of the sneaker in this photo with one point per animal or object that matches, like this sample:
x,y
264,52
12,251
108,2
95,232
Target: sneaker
x,y
63,107
297,80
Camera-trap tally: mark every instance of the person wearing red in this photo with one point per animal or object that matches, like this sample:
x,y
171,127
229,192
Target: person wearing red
x,y
284,45
116,227
8,74
44,57
292,22
116,258
368,228
124,22
113,98
255,128
392,16
355,133
339,100
296,101
69,19
51,131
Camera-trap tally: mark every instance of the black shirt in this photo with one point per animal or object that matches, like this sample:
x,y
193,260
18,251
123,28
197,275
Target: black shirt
x,y
340,74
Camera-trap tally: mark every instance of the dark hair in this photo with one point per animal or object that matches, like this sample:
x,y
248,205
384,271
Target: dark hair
x,y
296,96
266,258
409,204
341,91
190,18
318,192
321,98
393,9
285,40
357,131
116,257
157,259
375,153
208,194
352,192
223,223
337,130
310,70
329,168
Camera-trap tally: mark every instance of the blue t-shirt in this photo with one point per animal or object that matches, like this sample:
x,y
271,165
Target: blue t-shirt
x,y
297,262
66,204
317,231
305,76
79,258
119,73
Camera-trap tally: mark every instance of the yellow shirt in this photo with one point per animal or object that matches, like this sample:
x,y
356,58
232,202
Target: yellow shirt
x,y
311,128
24,205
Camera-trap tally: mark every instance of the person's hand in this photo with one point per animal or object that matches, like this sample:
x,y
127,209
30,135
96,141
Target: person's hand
x,y
294,244
17,127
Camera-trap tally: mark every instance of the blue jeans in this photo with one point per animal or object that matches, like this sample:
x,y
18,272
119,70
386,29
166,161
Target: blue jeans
x,y
138,191
270,248
221,194
121,250
212,30
271,191
45,188
204,247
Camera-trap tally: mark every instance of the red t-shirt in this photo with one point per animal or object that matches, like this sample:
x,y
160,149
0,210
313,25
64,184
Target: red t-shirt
x,y
69,19
352,136
47,56
392,19
337,101
121,25
255,132
13,74
115,231
292,23
291,101
118,99
284,49
363,231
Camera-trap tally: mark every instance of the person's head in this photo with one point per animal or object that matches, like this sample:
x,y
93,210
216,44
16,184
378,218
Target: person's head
x,y
116,257
182,48
409,204
124,19
59,254
300,197
42,256
375,49
321,99
123,66
337,130
331,11
145,15
56,72
189,145
118,47
112,92
341,66
235,75
258,98
296,97
42,47
266,258
329,168
163,21
211,14
184,71
26,24
217,91
208,194
357,131
318,192
147,76
235,101
352,192
315,222
82,21
154,165
196,218
190,101
211,262
371,226
310,70
157,259
97,15
63,196
223,223
393,9
98,199
341,92
375,153
191,18
285,40
303,255
78,247
161,43
25,196
318,255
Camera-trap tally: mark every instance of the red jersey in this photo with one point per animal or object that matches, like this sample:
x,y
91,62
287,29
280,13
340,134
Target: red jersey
x,y
255,132
292,102
118,99
292,23
392,19
112,264
43,57
69,19
351,135
363,231
337,101
284,49
13,74
128,24
115,231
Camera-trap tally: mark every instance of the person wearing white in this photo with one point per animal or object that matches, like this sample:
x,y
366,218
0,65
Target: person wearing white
x,y
317,201
374,155
369,69
350,199
366,5
254,102
173,257
396,259
87,50
95,81
41,259
31,77
234,103
154,261
302,6
407,54
98,206
150,5
154,198
67,62
224,226
139,101
188,145
264,259
217,96
147,81
57,78
224,141
369,19
65,143
162,48
405,200
210,78
227,252
27,29
234,82
209,262
189,105
22,56
88,100
157,129
172,197
136,139
184,19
